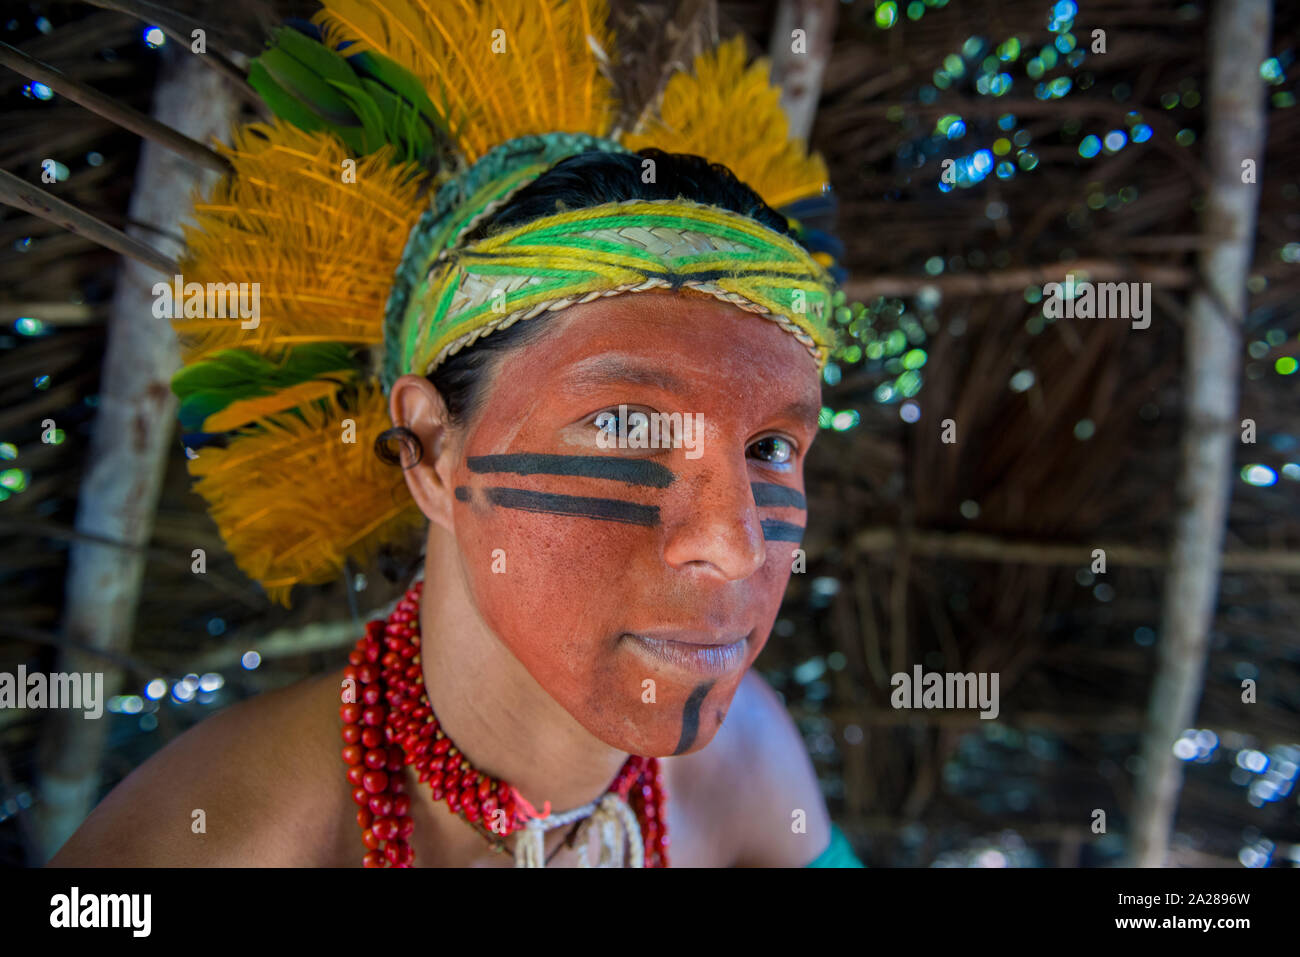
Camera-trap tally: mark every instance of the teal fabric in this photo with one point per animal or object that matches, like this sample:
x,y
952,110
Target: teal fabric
x,y
838,854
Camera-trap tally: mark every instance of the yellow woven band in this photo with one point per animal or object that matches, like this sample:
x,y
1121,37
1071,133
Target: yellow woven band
x,y
552,263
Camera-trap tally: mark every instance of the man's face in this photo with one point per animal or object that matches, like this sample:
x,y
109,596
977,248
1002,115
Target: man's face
x,y
636,585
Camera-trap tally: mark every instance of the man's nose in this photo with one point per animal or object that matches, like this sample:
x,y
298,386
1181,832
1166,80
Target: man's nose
x,y
712,521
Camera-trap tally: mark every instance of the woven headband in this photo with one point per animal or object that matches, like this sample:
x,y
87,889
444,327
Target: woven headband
x,y
552,263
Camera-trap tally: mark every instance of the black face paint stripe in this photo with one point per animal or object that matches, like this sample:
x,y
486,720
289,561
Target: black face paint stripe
x,y
631,471
601,509
691,716
774,531
767,493
462,493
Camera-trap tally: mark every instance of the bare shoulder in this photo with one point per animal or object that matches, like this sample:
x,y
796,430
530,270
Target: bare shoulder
x,y
255,770
759,786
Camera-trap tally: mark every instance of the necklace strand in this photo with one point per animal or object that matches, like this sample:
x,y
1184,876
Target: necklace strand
x,y
388,723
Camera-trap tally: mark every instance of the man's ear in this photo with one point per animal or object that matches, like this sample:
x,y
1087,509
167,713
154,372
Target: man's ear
x,y
414,403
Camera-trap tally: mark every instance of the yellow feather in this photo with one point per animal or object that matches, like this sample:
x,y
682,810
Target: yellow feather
x,y
732,115
245,411
538,74
292,500
323,251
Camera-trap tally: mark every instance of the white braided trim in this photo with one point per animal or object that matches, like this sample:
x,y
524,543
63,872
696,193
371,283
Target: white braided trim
x,y
611,814
555,305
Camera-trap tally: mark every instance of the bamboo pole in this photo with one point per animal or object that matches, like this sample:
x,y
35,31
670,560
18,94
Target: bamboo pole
x,y
799,61
1238,41
129,450
32,199
110,109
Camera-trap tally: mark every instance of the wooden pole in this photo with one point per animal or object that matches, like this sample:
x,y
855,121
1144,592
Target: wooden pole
x,y
800,48
129,450
1238,42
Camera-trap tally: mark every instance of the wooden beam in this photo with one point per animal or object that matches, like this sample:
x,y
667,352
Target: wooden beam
x,y
991,548
1238,41
32,199
110,109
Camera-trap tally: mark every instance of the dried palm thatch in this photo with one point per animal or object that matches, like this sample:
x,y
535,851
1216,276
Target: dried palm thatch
x,y
972,556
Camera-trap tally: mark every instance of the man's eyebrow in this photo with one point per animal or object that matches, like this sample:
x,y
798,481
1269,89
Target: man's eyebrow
x,y
803,412
613,369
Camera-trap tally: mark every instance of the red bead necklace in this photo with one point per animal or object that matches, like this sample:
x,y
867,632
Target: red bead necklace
x,y
388,722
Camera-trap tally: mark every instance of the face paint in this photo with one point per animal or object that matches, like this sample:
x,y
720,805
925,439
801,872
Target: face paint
x,y
635,583
631,471
691,717
767,494
601,509
775,531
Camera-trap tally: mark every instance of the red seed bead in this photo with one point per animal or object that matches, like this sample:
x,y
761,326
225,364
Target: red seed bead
x,y
393,853
373,859
371,737
375,759
370,694
361,796
373,716
351,734
401,805
405,827
381,805
355,658
364,817
354,774
374,781
352,754
384,828
350,713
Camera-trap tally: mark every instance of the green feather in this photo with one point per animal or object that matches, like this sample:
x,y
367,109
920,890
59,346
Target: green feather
x,y
211,384
365,99
317,94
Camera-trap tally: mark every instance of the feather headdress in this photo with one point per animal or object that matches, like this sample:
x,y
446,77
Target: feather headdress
x,y
398,126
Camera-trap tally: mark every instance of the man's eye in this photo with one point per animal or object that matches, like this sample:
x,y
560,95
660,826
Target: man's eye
x,y
780,450
608,421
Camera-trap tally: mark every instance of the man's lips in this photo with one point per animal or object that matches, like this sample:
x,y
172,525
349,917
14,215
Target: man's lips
x,y
690,636
699,652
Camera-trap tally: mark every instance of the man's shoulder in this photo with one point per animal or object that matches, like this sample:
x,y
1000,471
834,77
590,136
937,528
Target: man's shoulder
x,y
242,787
774,810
